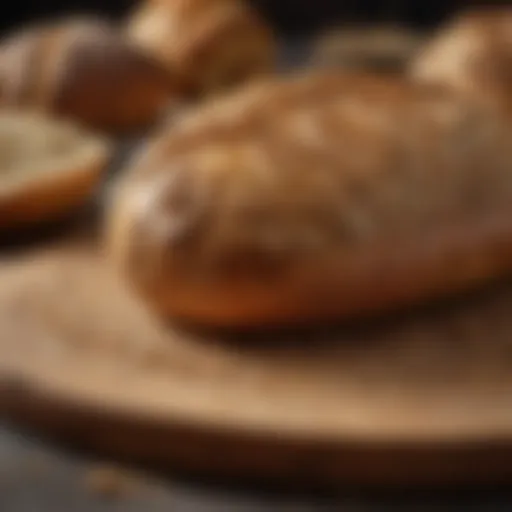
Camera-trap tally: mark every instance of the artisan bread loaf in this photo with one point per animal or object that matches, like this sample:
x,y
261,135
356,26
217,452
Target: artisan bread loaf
x,y
47,167
212,43
316,197
84,70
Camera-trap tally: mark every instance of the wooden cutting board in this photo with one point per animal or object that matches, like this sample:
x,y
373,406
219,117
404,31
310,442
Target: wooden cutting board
x,y
425,398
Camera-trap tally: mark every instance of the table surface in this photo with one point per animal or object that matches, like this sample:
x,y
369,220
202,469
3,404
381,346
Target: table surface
x,y
38,477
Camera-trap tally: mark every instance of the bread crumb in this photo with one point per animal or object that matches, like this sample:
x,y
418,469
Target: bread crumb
x,y
111,482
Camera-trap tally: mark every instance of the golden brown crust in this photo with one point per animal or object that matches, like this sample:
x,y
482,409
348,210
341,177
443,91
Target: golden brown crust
x,y
323,196
83,70
47,199
213,43
472,54
45,186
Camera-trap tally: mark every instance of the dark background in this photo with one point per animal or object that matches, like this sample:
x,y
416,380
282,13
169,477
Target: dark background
x,y
287,15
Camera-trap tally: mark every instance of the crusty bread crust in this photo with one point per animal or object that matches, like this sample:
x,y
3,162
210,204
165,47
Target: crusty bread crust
x,y
52,187
214,44
82,69
471,54
318,197
46,199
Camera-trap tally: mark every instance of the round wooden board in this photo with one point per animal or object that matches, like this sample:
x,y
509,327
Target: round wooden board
x,y
422,399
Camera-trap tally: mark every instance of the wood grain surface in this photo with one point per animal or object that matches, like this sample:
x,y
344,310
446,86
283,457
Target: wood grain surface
x,y
422,398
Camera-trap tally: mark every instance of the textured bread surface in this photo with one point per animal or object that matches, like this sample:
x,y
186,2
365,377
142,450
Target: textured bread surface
x,y
83,69
472,54
320,196
47,167
212,43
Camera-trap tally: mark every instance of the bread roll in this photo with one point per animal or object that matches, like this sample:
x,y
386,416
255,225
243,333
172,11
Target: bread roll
x,y
47,167
472,54
83,70
212,43
316,198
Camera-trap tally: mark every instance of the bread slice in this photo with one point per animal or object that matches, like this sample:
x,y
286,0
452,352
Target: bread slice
x,y
318,197
47,167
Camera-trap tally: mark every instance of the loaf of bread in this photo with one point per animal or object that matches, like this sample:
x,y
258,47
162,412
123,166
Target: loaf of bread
x,y
47,167
214,44
318,197
84,70
471,54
